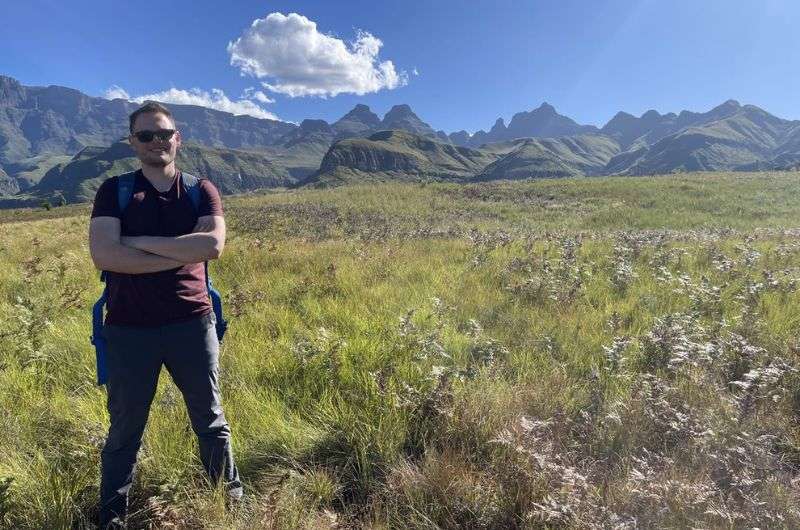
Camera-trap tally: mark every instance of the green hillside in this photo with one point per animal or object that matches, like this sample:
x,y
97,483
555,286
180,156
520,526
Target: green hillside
x,y
232,171
586,154
397,155
29,172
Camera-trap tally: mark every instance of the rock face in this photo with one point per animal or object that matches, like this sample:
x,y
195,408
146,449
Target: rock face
x,y
309,131
12,93
459,138
214,128
8,185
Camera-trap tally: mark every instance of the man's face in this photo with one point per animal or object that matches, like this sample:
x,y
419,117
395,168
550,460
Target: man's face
x,y
158,152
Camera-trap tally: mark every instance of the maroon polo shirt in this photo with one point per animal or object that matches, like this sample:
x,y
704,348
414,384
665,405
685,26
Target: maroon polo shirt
x,y
164,297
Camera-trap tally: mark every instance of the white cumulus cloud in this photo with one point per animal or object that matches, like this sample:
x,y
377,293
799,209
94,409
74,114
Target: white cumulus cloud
x,y
116,92
215,99
294,58
252,93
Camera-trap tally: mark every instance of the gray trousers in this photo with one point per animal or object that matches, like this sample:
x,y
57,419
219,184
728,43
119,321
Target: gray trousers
x,y
190,351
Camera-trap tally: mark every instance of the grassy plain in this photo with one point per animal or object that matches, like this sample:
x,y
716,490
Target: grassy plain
x,y
604,352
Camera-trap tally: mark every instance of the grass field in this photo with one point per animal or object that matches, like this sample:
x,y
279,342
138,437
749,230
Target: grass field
x,y
580,353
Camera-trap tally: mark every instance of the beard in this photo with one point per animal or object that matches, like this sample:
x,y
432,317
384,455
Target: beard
x,y
156,163
153,160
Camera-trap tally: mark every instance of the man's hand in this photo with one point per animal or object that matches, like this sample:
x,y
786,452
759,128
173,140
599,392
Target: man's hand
x,y
110,254
204,243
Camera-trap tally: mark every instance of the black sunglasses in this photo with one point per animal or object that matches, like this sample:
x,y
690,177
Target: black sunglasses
x,y
147,136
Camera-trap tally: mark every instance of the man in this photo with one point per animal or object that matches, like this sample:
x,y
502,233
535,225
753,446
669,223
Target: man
x,y
158,311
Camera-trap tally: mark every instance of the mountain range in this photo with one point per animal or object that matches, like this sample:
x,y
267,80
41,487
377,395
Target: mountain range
x,y
57,140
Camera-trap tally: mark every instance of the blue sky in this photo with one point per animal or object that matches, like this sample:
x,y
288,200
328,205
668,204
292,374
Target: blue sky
x,y
459,64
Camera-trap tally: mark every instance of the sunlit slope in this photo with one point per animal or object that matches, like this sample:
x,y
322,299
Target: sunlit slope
x,y
570,156
398,155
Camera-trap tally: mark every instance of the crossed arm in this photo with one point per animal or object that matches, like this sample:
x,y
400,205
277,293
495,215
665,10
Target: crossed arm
x,y
143,254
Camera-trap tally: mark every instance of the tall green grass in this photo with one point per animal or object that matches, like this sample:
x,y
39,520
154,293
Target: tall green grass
x,y
578,352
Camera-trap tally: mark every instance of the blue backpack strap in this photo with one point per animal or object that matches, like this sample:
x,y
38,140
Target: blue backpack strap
x,y
97,338
216,304
192,186
125,184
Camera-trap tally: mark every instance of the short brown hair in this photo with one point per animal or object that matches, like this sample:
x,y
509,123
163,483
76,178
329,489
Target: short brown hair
x,y
151,107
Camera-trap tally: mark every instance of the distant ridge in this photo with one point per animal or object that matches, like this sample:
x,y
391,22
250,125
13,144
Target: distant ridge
x,y
542,122
41,127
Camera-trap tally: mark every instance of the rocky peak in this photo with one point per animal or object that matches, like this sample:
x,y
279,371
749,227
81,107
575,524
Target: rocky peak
x,y
731,103
499,126
399,112
312,126
11,91
543,121
546,108
460,138
362,113
724,110
359,121
651,115
403,118
619,117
